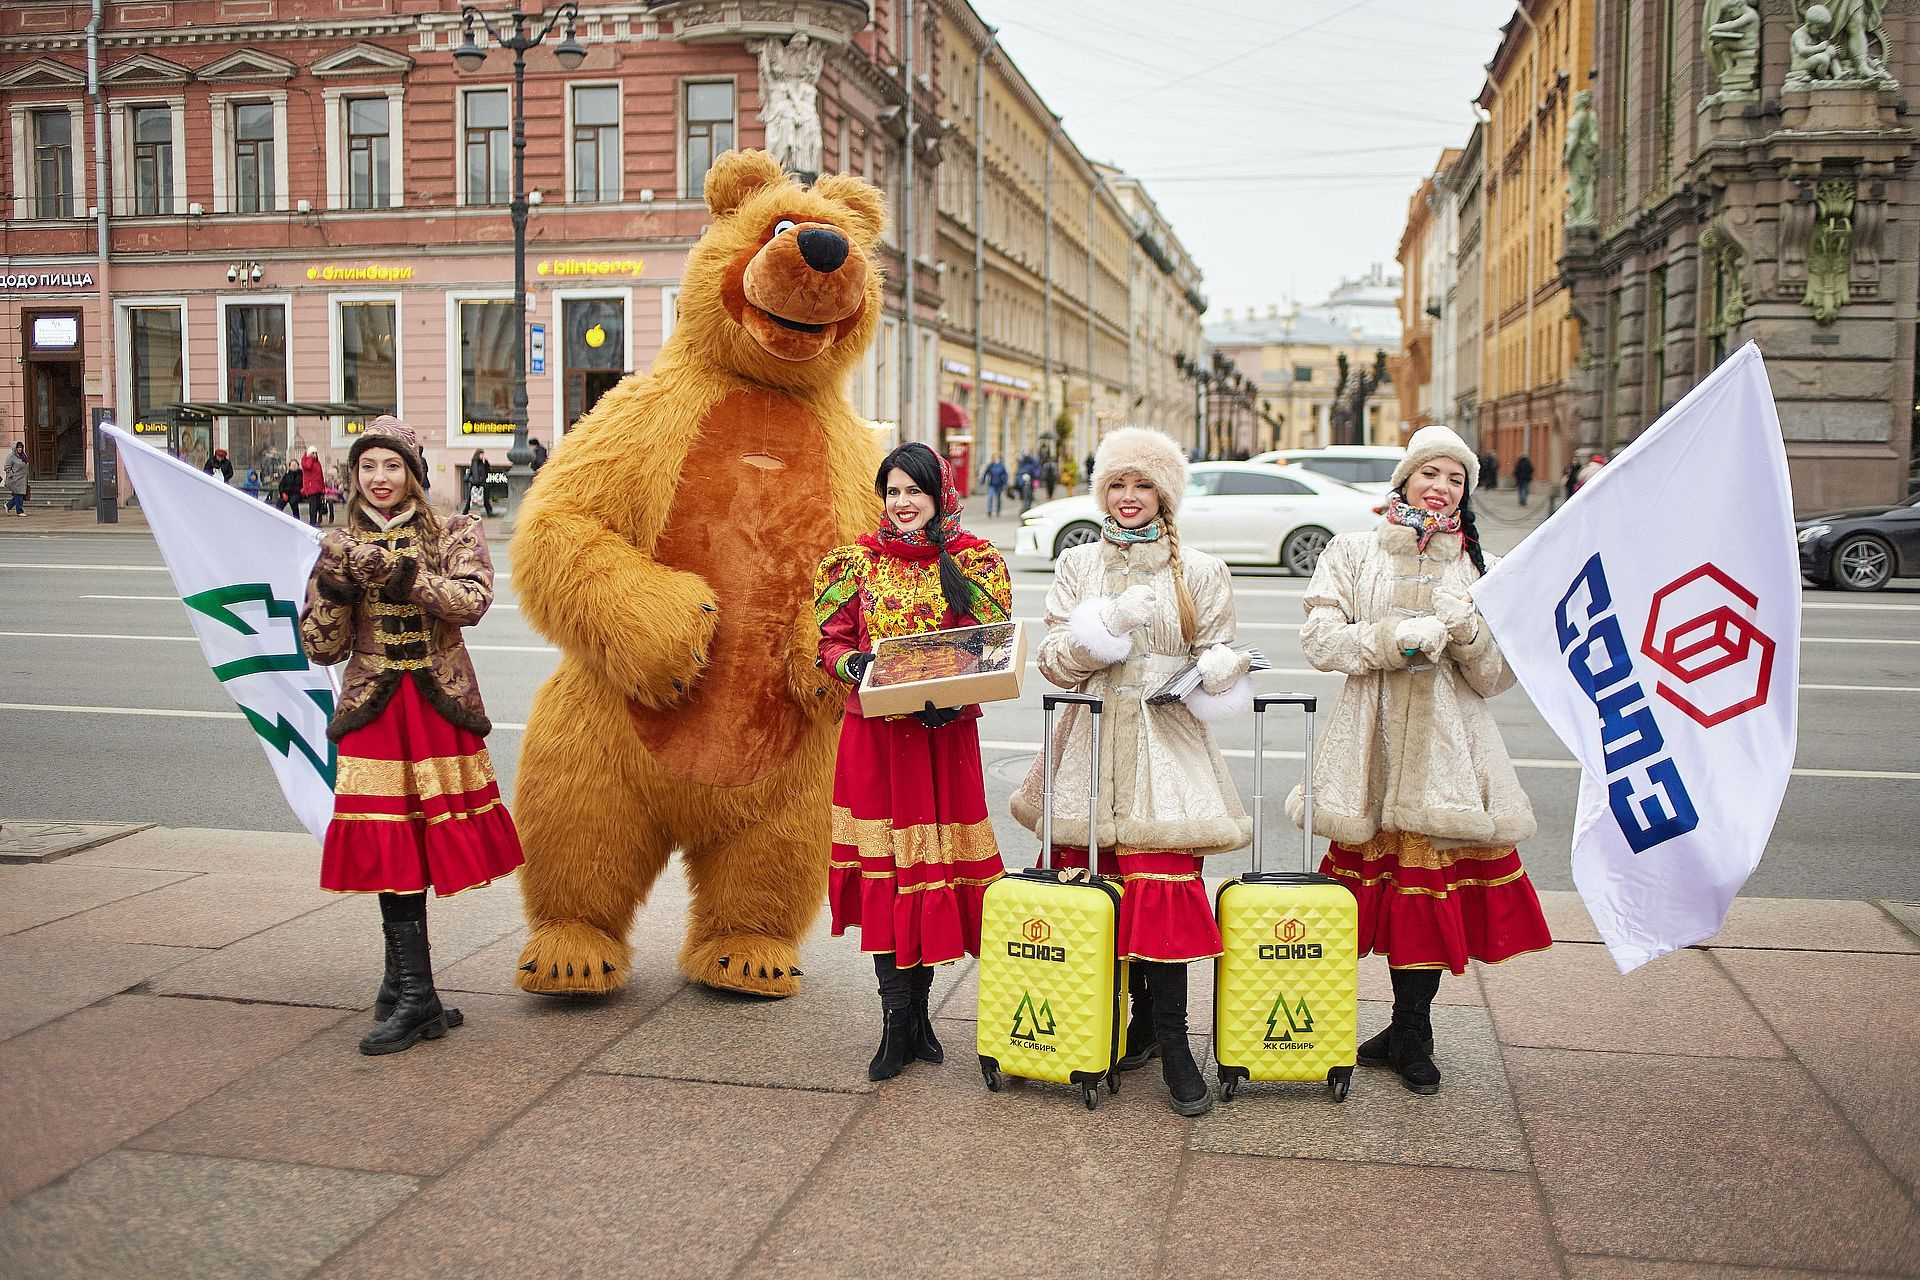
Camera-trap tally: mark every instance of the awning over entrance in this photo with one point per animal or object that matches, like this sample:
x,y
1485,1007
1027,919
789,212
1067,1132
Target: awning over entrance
x,y
952,416
275,409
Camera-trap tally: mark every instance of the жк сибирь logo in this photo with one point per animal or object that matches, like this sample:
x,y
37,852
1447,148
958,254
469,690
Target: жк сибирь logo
x,y
1287,1022
1030,1023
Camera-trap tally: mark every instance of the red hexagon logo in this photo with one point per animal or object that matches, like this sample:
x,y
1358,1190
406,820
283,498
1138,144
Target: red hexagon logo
x,y
1289,931
1036,930
1700,631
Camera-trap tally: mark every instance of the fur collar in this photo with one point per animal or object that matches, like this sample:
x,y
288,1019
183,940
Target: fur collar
x,y
1397,539
1145,557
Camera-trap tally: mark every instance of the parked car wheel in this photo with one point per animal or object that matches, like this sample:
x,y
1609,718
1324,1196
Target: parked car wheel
x,y
1301,551
1077,534
1862,563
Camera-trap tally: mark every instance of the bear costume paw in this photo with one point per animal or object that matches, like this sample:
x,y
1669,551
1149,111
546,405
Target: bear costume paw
x,y
571,957
752,963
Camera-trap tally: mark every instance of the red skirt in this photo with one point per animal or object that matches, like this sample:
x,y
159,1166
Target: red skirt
x,y
1164,912
415,804
913,850
1427,908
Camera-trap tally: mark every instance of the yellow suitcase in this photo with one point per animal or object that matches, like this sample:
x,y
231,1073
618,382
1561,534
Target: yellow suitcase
x,y
1050,985
1286,986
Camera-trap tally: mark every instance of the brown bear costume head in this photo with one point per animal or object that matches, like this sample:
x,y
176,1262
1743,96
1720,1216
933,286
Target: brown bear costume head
x,y
781,289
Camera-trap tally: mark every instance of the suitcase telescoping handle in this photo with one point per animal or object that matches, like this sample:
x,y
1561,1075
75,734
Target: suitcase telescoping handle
x,y
1309,703
1048,702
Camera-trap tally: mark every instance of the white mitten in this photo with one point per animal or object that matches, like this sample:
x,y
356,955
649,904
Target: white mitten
x,y
1130,610
1456,613
1219,667
1427,635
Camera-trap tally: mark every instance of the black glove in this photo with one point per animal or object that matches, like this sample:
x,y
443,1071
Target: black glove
x,y
934,717
857,664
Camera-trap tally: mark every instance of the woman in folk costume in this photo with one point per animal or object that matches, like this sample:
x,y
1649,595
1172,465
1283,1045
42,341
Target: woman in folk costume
x,y
1125,613
415,801
1412,783
913,850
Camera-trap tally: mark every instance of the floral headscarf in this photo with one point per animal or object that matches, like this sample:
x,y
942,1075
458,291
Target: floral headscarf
x,y
947,513
1423,522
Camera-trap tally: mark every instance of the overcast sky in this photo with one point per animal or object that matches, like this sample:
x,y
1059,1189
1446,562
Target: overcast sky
x,y
1280,137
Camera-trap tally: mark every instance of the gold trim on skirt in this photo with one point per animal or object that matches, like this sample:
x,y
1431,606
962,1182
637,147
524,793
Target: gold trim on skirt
x,y
427,779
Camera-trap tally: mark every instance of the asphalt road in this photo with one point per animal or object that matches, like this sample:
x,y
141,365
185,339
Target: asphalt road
x,y
107,713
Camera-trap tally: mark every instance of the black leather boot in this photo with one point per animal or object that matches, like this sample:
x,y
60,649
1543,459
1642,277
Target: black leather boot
x,y
926,1047
389,995
1410,1035
1141,1045
396,907
1167,988
896,1019
416,1013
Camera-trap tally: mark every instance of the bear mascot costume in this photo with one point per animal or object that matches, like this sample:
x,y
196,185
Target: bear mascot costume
x,y
669,550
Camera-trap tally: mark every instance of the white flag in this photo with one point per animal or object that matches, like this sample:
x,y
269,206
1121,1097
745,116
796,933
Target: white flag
x,y
1655,622
241,569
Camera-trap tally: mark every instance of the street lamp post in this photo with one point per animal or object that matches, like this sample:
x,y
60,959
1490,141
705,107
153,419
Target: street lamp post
x,y
470,56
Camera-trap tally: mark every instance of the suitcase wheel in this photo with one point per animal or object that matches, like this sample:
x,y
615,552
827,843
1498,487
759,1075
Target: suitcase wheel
x,y
1338,1081
991,1074
1230,1078
1113,1081
1090,1093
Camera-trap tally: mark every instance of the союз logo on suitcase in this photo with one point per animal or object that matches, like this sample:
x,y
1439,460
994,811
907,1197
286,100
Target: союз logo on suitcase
x,y
1033,943
1292,943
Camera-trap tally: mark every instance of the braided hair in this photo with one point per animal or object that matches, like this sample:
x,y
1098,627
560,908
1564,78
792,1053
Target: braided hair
x,y
1470,535
1182,598
922,466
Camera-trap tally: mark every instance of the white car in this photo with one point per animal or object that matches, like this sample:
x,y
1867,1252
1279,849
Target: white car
x,y
1243,512
1368,467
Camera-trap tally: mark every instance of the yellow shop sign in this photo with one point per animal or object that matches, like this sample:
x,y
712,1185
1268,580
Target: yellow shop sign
x,y
332,271
590,267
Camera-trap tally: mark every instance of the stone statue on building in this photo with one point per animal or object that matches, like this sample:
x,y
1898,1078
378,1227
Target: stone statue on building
x,y
790,101
1579,153
1833,45
1730,36
1830,250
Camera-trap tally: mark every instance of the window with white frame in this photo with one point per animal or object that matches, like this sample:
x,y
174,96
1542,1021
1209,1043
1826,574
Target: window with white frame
x,y
706,128
150,130
486,366
369,156
369,371
486,147
255,162
596,142
51,137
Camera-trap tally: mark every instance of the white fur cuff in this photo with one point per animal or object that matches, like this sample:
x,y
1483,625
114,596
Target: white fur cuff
x,y
1090,634
1218,708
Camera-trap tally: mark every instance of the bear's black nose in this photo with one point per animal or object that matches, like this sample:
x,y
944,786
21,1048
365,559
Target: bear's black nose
x,y
823,249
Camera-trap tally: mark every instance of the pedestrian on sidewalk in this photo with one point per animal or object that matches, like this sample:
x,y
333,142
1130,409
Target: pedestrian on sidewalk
x,y
220,465
313,484
1025,479
913,847
15,478
478,469
290,481
1572,478
1489,472
415,801
1124,614
995,480
1523,477
1411,782
1050,476
1591,469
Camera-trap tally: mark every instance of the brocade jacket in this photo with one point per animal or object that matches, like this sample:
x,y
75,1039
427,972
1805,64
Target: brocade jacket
x,y
406,627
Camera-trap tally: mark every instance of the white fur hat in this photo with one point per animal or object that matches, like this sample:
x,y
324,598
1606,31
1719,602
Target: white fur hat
x,y
1153,454
1432,442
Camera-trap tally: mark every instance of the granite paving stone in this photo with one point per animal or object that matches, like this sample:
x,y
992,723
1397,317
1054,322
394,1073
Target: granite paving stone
x,y
1022,1182
202,911
1567,916
83,1085
610,1177
702,1034
200,849
1471,1123
1583,1267
1907,913
328,1103
334,956
1239,1216
44,979
131,1215
1572,997
51,841
1861,1051
32,894
1804,924
1736,1162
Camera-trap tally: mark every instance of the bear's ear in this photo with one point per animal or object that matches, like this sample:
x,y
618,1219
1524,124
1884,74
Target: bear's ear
x,y
737,175
866,206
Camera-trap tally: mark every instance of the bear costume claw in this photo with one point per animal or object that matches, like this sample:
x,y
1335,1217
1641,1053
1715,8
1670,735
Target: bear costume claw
x,y
753,964
592,961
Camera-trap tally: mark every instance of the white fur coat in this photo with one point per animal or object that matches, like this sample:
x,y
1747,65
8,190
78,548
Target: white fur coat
x,y
1163,782
1407,746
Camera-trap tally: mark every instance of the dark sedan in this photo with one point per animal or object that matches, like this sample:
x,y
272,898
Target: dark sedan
x,y
1862,549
